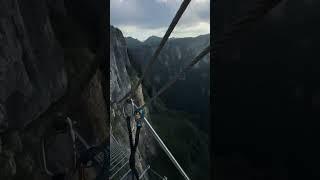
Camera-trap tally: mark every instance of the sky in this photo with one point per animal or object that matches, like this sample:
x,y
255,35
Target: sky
x,y
141,19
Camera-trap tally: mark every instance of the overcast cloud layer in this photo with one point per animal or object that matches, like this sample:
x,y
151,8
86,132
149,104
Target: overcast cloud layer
x,y
143,18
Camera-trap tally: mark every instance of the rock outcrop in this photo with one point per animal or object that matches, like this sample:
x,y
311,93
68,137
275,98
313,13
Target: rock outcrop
x,y
49,65
32,63
120,82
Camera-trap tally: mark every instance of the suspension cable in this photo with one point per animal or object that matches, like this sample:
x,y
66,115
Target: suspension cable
x,y
263,8
235,27
170,83
147,68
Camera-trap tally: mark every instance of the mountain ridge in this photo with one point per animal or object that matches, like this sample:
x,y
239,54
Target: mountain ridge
x,y
158,39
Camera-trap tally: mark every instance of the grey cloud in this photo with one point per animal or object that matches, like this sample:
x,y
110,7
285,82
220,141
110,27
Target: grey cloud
x,y
196,12
140,13
153,14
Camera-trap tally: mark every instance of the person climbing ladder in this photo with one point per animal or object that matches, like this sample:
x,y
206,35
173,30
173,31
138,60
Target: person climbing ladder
x,y
139,114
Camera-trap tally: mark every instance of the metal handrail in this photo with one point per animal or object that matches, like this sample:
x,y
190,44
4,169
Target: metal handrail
x,y
144,172
164,147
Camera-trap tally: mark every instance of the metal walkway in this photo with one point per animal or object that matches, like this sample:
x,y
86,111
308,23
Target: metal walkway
x,y
119,164
119,159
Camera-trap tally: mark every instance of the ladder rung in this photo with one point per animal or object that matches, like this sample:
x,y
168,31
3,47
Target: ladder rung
x,y
115,153
119,156
118,163
119,169
126,174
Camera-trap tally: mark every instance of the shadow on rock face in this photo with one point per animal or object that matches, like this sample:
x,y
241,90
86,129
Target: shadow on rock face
x,y
3,119
59,153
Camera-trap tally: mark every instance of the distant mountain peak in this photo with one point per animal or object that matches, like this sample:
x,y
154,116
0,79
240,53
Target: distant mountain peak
x,y
131,42
152,40
131,38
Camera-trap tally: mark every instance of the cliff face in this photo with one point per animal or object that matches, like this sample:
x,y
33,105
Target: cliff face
x,y
32,63
120,82
48,66
122,77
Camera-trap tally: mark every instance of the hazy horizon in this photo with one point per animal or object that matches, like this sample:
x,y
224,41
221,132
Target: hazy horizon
x,y
169,38
141,19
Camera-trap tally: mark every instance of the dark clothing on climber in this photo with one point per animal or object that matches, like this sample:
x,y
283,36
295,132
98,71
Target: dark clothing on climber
x,y
133,147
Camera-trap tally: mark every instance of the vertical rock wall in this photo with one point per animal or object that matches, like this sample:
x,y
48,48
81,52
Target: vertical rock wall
x,y
47,66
